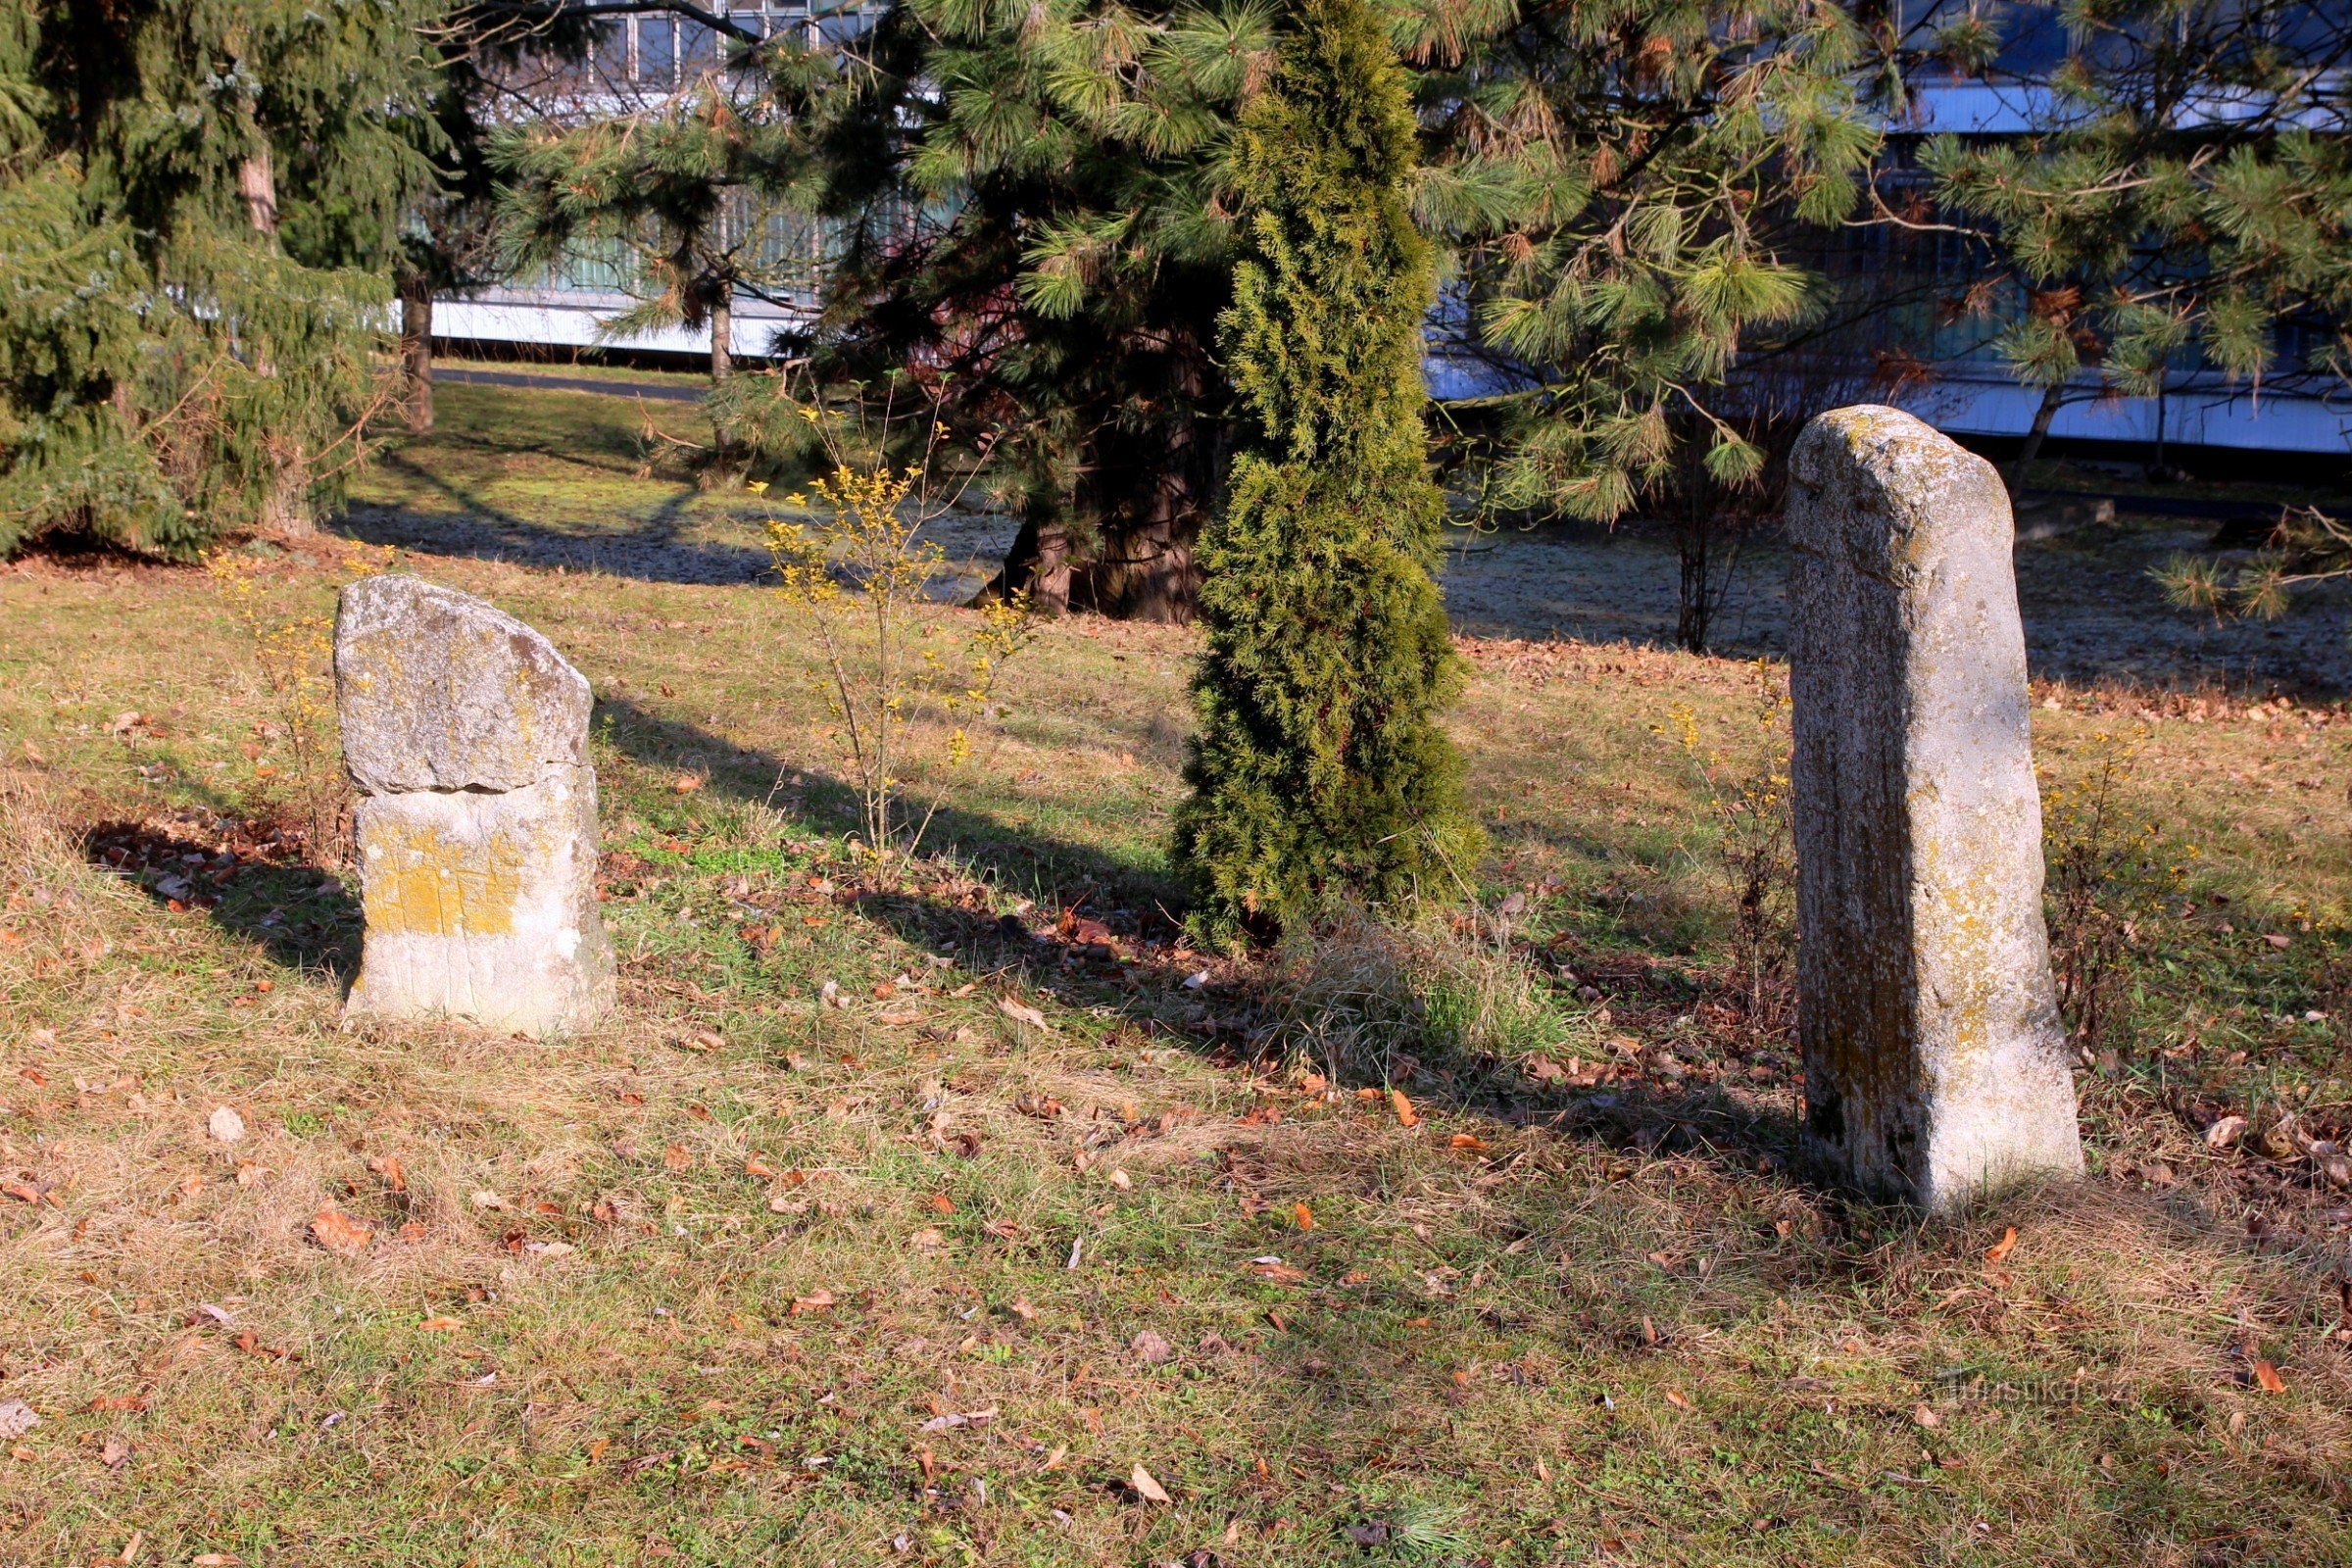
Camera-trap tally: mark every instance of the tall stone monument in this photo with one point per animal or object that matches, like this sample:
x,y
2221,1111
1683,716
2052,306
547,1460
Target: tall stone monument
x,y
1934,1062
467,734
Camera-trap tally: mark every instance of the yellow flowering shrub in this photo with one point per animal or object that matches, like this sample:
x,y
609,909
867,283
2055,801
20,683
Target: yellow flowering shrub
x,y
904,677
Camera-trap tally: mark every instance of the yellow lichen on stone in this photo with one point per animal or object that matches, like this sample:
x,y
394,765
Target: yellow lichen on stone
x,y
418,881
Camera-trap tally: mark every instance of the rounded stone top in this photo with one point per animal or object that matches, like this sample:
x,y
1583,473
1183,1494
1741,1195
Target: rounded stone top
x,y
438,690
1874,486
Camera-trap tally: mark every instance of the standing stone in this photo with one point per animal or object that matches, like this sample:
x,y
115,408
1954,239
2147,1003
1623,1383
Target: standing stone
x,y
468,736
1934,1064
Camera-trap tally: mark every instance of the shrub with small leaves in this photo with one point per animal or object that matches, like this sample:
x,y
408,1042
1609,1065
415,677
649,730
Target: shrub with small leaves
x,y
904,678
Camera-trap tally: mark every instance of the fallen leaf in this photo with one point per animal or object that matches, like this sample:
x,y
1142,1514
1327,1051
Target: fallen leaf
x,y
1277,1271
1407,1116
1468,1143
927,1239
1304,1215
2002,1248
339,1233
686,783
703,1040
815,1302
483,1197
2280,942
120,1402
441,1323
675,1157
756,1167
16,1418
1145,1488
2268,1376
114,1452
2226,1132
1152,1349
388,1167
1020,1013
1675,1397
225,1124
941,1204
1926,1416
216,1559
953,1419
1121,1180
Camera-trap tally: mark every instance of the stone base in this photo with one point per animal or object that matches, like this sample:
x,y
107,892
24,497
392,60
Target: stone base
x,y
483,906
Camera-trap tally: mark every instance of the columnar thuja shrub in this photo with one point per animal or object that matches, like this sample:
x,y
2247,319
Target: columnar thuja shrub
x,y
1320,770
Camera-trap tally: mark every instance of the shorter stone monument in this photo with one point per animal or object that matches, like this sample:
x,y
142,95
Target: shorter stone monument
x,y
1934,1062
467,734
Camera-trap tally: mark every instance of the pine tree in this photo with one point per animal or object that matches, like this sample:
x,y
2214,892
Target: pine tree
x,y
2187,203
672,184
1632,189
198,202
1030,209
1320,773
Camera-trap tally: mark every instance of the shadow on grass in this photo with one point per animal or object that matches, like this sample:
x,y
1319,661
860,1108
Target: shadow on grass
x,y
1041,869
1105,936
252,879
653,549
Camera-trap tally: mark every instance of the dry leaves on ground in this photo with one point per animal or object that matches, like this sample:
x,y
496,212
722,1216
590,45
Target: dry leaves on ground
x,y
339,1233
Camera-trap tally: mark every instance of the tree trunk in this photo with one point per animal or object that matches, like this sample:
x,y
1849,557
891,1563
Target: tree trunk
x,y
1037,564
417,349
723,360
285,508
2051,398
257,187
1146,507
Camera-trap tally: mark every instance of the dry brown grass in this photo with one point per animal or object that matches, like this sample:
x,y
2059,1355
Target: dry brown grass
x,y
1551,1321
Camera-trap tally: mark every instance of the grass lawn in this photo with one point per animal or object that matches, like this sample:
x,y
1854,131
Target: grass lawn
x,y
754,1274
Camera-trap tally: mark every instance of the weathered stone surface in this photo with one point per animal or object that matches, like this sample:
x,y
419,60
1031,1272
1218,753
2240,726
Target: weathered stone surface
x,y
1934,1062
467,734
436,690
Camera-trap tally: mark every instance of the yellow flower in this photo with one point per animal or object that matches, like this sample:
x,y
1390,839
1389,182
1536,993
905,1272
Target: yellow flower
x,y
757,487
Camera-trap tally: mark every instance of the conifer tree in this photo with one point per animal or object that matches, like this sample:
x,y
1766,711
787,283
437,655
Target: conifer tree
x,y
1320,773
198,203
679,187
2185,202
1030,209
1638,193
